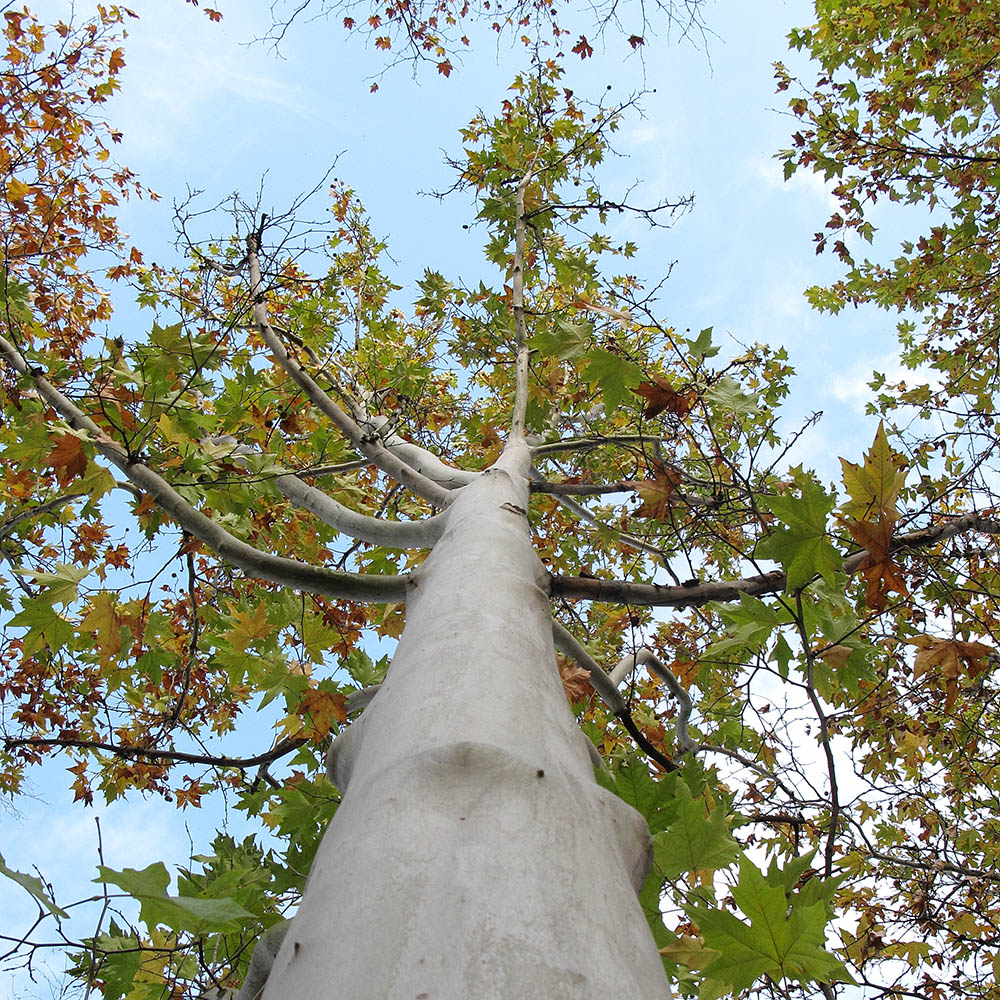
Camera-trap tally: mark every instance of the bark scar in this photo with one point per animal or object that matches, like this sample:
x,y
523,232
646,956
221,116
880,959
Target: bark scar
x,y
514,509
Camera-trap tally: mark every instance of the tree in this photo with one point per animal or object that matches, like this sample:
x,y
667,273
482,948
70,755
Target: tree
x,y
492,472
903,112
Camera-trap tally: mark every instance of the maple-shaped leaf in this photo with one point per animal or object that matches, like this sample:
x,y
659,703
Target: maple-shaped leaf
x,y
878,569
248,627
180,913
783,938
694,841
575,681
105,622
660,395
583,48
322,708
67,458
801,544
60,584
945,658
444,67
636,40
616,375
656,493
874,485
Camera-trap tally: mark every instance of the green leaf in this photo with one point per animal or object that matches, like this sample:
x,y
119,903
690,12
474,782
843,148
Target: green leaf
x,y
729,398
179,913
801,544
60,585
34,886
701,346
616,375
655,799
694,841
783,938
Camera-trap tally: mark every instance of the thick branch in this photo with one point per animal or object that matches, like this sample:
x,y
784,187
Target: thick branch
x,y
654,595
254,562
417,458
391,534
368,444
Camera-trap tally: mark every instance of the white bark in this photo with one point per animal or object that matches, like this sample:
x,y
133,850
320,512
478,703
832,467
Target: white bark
x,y
254,562
391,534
474,856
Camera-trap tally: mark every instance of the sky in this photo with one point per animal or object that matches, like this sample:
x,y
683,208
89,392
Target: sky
x,y
205,108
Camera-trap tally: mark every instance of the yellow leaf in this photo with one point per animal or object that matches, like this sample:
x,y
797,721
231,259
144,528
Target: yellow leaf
x,y
690,951
875,485
105,622
247,628
17,190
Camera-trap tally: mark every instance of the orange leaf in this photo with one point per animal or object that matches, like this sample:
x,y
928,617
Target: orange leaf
x,y
322,708
583,48
444,67
67,458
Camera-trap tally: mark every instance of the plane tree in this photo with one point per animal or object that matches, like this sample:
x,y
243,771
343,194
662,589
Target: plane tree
x,y
578,529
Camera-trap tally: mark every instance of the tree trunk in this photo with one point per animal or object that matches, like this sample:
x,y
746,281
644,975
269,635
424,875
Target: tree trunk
x,y
474,856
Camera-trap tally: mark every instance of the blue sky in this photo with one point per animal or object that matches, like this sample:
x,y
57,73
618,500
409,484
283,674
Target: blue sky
x,y
202,108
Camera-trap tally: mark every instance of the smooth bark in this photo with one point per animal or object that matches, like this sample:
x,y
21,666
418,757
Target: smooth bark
x,y
473,854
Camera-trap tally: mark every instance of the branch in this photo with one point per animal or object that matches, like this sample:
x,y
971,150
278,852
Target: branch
x,y
254,562
567,643
391,534
417,458
631,540
368,444
6,527
655,595
520,408
647,658
590,443
243,763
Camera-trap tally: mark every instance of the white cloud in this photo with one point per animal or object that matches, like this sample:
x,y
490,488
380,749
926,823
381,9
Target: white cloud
x,y
804,182
852,386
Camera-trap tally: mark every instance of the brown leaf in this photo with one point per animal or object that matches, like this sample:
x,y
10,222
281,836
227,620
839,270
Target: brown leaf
x,y
575,680
943,659
67,458
656,493
322,708
835,656
660,396
880,572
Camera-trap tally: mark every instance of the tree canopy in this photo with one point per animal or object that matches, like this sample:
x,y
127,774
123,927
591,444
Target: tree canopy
x,y
215,524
